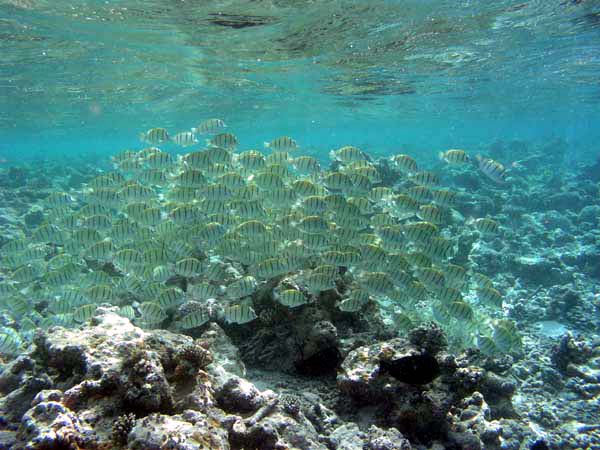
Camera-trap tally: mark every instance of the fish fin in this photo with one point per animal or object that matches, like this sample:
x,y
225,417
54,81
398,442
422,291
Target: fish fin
x,y
194,130
142,137
267,144
441,156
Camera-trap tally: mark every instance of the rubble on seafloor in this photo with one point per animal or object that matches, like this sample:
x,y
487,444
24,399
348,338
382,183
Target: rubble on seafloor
x,y
110,384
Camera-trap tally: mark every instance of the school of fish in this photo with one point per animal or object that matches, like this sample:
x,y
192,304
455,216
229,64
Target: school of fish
x,y
179,241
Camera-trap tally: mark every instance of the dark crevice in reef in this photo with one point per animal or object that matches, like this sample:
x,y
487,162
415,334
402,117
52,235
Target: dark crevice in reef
x,y
322,362
413,369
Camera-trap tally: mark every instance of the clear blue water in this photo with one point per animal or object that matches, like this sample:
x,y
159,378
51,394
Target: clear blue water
x,y
421,76
80,80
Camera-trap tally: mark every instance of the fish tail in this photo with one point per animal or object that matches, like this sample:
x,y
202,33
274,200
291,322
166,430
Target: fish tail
x,y
442,155
267,144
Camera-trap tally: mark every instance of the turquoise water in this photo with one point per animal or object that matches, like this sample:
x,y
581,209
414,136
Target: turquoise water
x,y
385,75
320,268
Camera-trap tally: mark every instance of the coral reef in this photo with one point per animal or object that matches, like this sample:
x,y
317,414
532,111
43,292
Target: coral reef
x,y
324,378
110,384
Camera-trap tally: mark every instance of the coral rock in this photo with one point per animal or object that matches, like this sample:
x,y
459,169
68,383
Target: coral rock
x,y
189,431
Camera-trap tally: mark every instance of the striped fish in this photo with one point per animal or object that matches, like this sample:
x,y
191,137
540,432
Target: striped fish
x,y
486,226
10,342
188,267
357,300
490,296
127,311
160,160
454,156
152,313
486,345
443,197
197,160
185,139
421,194
313,224
193,320
405,163
282,143
291,298
223,140
210,126
461,310
251,160
348,154
492,169
154,136
425,178
240,314
338,181
432,213
241,288
84,313
307,164
202,291
506,336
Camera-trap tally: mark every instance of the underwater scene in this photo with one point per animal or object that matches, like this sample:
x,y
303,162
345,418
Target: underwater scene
x,y
284,225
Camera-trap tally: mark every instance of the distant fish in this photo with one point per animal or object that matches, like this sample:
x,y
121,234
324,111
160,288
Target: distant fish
x,y
425,178
185,139
405,163
240,314
226,141
490,296
354,303
454,156
485,226
282,143
241,288
307,164
461,311
10,341
486,345
155,136
506,336
493,169
152,313
210,126
291,298
347,154
194,319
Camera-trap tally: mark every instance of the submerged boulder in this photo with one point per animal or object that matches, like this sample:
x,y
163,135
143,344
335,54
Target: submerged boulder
x,y
417,368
